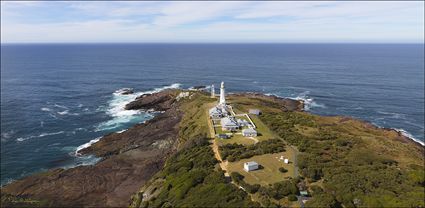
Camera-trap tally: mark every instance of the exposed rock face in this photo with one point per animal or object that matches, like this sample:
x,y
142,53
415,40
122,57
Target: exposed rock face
x,y
159,101
129,160
284,103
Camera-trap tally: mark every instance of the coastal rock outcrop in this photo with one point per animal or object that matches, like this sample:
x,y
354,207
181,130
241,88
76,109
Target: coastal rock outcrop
x,y
129,159
285,104
160,101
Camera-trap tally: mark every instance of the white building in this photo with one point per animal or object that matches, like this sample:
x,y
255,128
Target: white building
x,y
286,161
217,112
254,111
249,133
250,166
229,124
243,122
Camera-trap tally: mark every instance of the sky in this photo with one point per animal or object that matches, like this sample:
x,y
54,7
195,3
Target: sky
x,y
212,21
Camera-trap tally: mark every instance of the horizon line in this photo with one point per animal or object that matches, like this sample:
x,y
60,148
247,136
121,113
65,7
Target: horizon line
x,y
69,43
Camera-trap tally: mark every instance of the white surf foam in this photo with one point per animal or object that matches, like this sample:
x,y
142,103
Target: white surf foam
x,y
60,106
408,135
7,135
45,109
83,146
119,132
393,115
66,112
63,112
308,101
21,139
116,108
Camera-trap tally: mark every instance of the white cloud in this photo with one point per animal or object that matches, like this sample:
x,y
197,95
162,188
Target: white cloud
x,y
220,22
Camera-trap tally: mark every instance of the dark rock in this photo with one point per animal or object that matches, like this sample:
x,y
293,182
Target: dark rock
x,y
160,101
285,104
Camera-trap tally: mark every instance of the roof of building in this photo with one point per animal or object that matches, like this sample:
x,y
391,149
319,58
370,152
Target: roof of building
x,y
227,121
223,135
249,131
304,193
254,111
251,163
243,121
215,110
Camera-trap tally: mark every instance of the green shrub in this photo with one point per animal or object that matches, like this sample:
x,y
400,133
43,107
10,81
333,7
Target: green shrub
x,y
235,152
252,189
237,177
283,170
292,197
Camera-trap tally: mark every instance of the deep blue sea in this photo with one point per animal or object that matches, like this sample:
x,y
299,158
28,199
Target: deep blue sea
x,y
57,97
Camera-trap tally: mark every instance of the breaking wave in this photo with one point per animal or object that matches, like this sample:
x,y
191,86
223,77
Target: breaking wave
x,y
83,146
308,101
120,116
408,135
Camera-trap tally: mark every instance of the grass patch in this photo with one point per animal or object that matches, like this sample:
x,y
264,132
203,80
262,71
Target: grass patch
x,y
236,138
269,173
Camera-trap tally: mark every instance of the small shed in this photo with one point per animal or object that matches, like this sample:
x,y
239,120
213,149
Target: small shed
x,y
254,111
223,136
286,161
249,132
250,166
303,193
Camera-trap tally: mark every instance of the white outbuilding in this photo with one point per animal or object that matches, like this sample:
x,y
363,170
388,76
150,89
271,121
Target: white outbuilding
x,y
249,133
254,111
286,161
250,166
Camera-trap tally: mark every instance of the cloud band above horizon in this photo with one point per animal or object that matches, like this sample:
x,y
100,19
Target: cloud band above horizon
x,y
223,21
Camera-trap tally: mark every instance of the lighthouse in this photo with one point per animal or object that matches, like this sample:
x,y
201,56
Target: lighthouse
x,y
212,91
222,96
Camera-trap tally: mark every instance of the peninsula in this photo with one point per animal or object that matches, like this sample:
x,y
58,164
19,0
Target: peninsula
x,y
235,150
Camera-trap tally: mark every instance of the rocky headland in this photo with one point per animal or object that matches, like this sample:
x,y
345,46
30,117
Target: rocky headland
x,y
136,157
129,159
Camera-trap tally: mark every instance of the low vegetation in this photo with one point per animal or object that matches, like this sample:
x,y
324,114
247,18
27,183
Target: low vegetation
x,y
342,163
344,159
271,193
190,177
235,152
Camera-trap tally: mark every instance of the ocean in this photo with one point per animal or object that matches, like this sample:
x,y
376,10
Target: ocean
x,y
57,98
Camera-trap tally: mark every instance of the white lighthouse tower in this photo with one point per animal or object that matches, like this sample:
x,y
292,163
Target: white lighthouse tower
x,y
222,96
212,91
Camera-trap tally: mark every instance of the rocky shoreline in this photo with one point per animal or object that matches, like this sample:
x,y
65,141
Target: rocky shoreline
x,y
129,159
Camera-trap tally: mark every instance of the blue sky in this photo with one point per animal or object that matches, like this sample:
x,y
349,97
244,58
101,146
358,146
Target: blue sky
x,y
221,21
